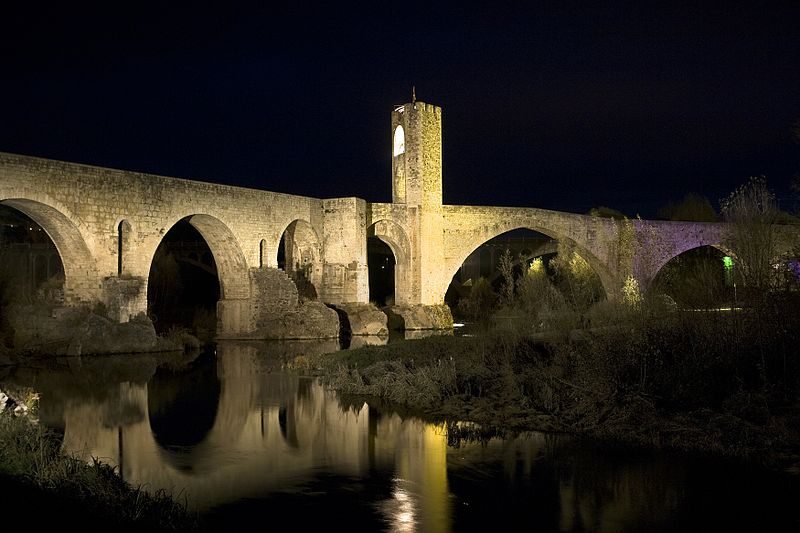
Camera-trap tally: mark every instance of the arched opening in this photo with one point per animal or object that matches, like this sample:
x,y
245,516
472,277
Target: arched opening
x,y
183,286
123,244
388,263
300,257
700,278
262,253
399,141
182,406
525,272
71,271
31,269
381,265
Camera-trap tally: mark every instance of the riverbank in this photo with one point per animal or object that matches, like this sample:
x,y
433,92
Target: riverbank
x,y
694,383
44,488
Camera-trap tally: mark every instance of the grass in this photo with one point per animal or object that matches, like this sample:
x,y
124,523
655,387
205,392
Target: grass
x,y
712,382
45,488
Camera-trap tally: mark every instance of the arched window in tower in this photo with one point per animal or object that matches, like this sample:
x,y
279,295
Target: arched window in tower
x,y
399,141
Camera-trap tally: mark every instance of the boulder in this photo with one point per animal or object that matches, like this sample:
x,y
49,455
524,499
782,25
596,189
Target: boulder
x,y
365,319
310,320
411,317
100,335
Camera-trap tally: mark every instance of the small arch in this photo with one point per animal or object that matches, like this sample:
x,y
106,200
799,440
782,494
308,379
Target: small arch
x,y
262,253
123,244
299,255
399,141
394,237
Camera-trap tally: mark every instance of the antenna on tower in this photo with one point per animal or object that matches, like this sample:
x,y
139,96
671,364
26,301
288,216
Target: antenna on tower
x,y
413,95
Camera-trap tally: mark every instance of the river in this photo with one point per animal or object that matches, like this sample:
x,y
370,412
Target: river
x,y
246,442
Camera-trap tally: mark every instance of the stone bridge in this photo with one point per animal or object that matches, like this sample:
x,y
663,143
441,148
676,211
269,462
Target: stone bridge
x,y
107,225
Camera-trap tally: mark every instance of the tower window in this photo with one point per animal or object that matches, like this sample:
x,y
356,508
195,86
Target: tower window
x,y
399,141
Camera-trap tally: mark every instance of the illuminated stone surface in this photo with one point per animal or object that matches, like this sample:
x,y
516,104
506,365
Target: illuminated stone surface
x,y
86,210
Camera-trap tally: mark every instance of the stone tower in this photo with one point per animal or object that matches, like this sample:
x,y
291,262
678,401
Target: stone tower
x,y
417,193
417,155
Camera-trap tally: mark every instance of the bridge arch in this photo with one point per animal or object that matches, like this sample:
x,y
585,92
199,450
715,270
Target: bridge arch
x,y
301,255
660,242
487,233
393,235
698,277
225,302
234,282
81,281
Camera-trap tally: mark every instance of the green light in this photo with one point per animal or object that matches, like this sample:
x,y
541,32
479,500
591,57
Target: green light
x,y
727,262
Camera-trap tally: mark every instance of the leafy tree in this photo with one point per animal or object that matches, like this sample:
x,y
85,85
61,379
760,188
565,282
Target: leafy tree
x,y
751,210
506,268
480,302
535,290
693,208
575,279
606,212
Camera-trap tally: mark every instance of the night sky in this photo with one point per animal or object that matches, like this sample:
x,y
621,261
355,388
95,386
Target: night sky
x,y
543,107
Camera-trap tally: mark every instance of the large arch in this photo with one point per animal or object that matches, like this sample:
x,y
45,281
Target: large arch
x,y
232,312
395,237
81,281
647,267
699,277
234,282
302,256
608,279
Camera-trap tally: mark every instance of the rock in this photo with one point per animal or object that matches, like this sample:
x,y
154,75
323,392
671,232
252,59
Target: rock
x,y
311,320
365,319
77,331
411,317
99,335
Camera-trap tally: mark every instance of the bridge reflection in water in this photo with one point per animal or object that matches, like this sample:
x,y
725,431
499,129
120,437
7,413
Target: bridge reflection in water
x,y
241,439
264,431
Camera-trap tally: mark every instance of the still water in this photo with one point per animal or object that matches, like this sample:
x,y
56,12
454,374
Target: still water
x,y
246,442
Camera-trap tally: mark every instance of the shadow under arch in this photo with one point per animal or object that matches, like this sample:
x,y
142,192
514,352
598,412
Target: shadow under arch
x,y
608,280
230,266
300,256
524,245
393,235
80,269
698,277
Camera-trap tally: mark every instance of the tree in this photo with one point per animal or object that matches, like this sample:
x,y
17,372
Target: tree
x,y
693,208
751,210
606,212
506,268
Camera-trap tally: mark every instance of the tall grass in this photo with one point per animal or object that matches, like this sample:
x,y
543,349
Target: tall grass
x,y
50,488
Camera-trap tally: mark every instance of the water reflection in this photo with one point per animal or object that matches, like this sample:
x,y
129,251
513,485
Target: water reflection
x,y
240,437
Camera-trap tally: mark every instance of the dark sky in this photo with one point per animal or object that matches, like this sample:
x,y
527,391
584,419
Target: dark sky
x,y
545,107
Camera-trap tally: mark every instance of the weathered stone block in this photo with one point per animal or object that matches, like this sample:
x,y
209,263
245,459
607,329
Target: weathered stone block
x,y
365,319
124,297
311,320
410,317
